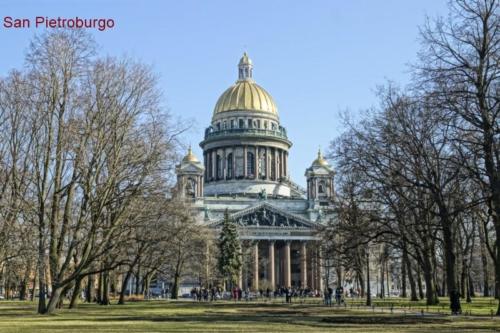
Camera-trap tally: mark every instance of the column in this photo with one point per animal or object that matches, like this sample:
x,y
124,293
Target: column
x,y
319,271
234,163
256,266
270,269
281,163
288,267
224,163
275,164
201,186
256,163
303,264
244,161
268,162
214,164
312,270
205,164
240,273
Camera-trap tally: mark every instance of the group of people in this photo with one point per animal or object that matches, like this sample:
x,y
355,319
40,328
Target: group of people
x,y
206,294
237,294
339,296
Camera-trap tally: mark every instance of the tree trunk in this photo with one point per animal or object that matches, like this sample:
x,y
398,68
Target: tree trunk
x,y
89,290
368,289
33,290
471,286
419,283
175,286
105,289
54,299
463,280
443,286
42,307
76,292
138,281
484,262
361,282
121,299
382,276
99,288
450,260
403,277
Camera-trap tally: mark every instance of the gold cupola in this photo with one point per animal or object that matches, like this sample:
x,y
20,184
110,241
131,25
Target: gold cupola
x,y
245,94
320,160
190,157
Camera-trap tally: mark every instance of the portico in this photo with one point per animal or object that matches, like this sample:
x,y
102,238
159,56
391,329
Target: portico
x,y
281,263
279,247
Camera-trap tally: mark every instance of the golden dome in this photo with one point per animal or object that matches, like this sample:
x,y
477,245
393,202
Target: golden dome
x,y
190,158
245,94
320,160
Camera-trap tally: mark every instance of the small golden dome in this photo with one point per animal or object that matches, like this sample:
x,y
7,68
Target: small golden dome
x,y
245,60
320,160
246,95
190,157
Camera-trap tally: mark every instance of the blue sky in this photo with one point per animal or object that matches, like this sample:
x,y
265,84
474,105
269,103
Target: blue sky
x,y
316,58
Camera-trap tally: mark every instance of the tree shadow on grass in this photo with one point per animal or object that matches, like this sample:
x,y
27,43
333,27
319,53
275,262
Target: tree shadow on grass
x,y
384,320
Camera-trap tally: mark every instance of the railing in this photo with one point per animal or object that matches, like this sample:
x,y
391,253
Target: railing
x,y
246,131
296,187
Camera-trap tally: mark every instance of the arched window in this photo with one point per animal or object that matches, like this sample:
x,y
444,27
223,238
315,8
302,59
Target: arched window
x,y
229,166
250,164
190,187
219,167
321,187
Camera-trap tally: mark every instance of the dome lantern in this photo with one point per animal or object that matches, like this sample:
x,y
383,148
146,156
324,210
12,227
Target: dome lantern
x,y
245,68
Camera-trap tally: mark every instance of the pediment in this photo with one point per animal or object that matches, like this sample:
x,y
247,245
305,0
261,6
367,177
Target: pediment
x,y
266,215
190,168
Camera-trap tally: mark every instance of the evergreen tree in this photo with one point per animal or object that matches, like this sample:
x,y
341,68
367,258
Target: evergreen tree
x,y
229,263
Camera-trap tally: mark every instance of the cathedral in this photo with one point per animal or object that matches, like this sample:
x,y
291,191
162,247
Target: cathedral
x,y
245,170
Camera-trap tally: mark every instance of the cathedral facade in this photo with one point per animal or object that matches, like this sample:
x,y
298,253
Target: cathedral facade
x,y
245,170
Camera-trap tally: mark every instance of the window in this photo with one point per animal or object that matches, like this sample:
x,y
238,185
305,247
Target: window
x,y
241,123
250,164
229,166
322,188
273,126
232,123
265,124
249,122
189,190
258,123
218,126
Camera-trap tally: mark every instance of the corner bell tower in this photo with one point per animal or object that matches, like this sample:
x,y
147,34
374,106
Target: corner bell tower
x,y
320,187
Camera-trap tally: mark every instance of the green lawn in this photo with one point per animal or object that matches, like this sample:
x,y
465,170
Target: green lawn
x,y
225,316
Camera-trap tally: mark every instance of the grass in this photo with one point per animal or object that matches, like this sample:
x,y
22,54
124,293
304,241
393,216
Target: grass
x,y
226,316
